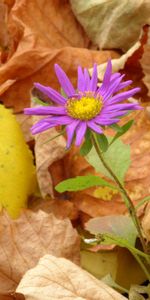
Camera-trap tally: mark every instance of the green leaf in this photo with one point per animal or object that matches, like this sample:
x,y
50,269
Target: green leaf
x,y
80,183
144,200
39,101
63,93
120,226
103,142
122,130
87,145
117,157
116,127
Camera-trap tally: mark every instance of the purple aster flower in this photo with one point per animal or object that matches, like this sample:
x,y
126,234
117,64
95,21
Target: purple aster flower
x,y
89,106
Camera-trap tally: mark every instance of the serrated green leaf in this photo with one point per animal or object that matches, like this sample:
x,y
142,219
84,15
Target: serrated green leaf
x,y
117,157
80,183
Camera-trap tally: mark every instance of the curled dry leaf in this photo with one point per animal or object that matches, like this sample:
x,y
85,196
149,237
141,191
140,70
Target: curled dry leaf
x,y
25,240
58,278
117,63
112,24
57,38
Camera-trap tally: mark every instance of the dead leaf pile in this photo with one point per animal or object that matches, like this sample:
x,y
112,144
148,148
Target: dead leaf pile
x,y
25,240
43,32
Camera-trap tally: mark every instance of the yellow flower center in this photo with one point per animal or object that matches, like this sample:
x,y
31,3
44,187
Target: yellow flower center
x,y
85,108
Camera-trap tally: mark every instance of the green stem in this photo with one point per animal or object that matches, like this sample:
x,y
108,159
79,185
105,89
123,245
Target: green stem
x,y
126,197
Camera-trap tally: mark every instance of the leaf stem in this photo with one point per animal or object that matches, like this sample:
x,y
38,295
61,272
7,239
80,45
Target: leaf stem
x,y
126,197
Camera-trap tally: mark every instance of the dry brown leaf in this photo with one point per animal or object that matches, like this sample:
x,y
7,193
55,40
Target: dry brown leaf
x,y
25,240
58,278
112,24
25,122
60,208
14,296
118,63
43,32
145,63
146,222
4,38
45,154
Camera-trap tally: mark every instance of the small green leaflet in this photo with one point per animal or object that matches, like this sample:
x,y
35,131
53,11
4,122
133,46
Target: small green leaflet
x,y
80,183
87,145
39,101
103,142
117,157
121,130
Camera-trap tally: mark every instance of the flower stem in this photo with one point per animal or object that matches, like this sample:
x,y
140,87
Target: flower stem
x,y
126,197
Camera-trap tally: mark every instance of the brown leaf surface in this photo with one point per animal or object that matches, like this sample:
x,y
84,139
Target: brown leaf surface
x,y
146,223
45,154
145,63
112,24
43,32
58,278
25,240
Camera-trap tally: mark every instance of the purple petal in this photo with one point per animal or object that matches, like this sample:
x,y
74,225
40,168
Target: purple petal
x,y
94,79
52,94
40,127
124,85
106,79
114,114
114,76
70,129
87,80
64,81
126,106
112,88
45,110
94,127
80,132
123,96
105,121
81,80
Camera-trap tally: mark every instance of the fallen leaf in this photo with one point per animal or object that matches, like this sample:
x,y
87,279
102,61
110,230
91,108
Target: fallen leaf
x,y
60,208
46,153
146,223
25,240
145,63
17,171
57,38
112,24
14,296
118,226
117,63
55,278
118,262
138,292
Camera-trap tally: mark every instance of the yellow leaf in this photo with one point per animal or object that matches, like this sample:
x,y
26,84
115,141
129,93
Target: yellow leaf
x,y
17,172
